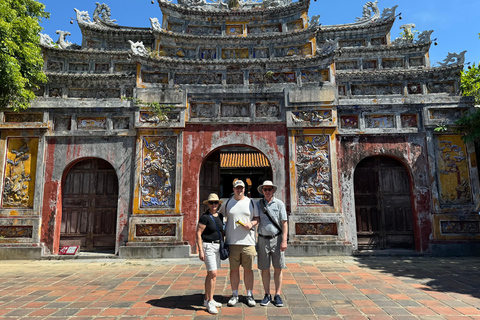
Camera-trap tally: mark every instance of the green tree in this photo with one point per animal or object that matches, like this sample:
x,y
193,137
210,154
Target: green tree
x,y
470,124
21,59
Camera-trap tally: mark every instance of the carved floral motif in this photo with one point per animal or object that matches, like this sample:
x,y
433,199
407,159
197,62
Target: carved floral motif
x,y
16,231
314,117
313,170
456,227
155,230
316,229
349,122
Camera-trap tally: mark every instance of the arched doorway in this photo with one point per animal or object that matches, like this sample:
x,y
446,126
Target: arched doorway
x,y
89,206
383,204
225,165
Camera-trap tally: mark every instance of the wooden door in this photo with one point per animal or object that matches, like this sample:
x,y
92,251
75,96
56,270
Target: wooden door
x,y
209,179
383,204
90,197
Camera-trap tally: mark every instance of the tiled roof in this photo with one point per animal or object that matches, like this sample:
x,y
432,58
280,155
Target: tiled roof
x,y
243,160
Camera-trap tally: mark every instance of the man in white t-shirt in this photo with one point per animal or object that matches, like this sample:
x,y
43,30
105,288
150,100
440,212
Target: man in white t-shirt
x,y
242,217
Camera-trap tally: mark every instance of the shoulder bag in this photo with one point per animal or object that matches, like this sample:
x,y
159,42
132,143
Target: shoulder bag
x,y
224,250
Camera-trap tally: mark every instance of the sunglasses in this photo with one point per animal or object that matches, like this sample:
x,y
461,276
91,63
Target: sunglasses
x,y
212,202
267,189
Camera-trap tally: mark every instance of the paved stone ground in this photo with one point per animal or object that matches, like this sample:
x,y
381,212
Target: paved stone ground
x,y
314,288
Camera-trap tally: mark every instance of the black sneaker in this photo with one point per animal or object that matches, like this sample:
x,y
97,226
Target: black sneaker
x,y
277,301
266,300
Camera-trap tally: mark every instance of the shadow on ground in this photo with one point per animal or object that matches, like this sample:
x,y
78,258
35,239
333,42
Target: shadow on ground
x,y
454,275
184,302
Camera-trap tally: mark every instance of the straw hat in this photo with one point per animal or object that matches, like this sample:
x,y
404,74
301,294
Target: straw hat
x,y
212,197
266,183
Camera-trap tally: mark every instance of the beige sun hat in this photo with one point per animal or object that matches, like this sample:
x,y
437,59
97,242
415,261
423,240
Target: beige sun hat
x,y
266,183
212,197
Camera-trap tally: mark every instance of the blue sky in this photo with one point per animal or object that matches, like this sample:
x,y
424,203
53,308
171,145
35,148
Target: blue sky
x,y
455,23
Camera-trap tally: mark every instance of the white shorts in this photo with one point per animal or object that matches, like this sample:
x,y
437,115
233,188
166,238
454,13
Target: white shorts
x,y
212,255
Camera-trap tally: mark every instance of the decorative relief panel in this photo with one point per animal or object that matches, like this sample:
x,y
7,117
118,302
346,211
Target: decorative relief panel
x,y
202,30
352,43
205,110
93,44
303,50
409,120
316,229
92,123
78,67
208,53
235,110
315,75
152,117
55,66
261,53
342,90
176,27
313,117
376,89
370,64
158,172
102,67
379,41
347,65
267,109
447,114
264,29
155,77
296,25
380,121
234,78
205,78
277,77
392,63
414,88
314,182
125,68
20,170
23,117
441,87
55,92
63,123
16,231
460,227
94,94
235,53
349,122
121,123
453,170
234,30
155,230
416,62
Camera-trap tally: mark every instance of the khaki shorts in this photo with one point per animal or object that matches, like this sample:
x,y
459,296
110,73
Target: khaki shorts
x,y
241,255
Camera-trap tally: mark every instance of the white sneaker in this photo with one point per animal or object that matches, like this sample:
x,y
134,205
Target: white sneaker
x,y
211,307
233,301
250,301
217,304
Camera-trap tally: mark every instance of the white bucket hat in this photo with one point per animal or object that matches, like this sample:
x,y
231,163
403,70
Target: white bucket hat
x,y
212,197
266,183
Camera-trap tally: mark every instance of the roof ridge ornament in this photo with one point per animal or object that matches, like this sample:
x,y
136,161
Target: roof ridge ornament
x,y
83,17
46,40
370,12
102,15
388,13
156,24
328,46
454,59
314,22
138,48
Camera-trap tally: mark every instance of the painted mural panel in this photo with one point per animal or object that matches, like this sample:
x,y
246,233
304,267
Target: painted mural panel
x,y
314,182
19,178
453,170
158,172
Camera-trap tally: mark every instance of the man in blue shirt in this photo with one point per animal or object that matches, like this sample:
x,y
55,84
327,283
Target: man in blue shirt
x,y
272,241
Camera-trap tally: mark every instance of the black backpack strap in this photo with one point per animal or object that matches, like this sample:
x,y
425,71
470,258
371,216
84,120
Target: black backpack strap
x,y
265,210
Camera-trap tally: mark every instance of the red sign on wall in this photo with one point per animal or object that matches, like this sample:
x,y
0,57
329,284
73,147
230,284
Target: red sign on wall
x,y
69,250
